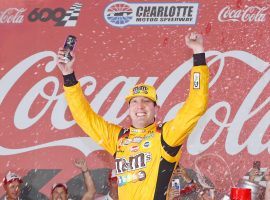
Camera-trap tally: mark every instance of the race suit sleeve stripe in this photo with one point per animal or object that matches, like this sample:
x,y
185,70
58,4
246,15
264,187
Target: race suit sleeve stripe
x,y
171,151
104,133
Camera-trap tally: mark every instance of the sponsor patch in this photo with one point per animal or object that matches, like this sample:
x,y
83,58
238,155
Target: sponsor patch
x,y
137,140
196,80
148,136
132,163
134,148
147,144
141,175
131,178
126,142
137,130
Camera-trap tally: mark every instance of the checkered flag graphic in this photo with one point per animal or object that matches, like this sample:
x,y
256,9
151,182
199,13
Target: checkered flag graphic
x,y
71,16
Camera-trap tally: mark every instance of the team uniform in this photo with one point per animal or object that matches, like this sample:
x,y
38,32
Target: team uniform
x,y
144,157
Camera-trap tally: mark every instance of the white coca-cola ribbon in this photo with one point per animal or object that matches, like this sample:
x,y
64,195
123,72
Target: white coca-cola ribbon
x,y
9,79
80,143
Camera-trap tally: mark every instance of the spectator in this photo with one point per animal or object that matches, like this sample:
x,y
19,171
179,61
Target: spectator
x,y
12,183
189,188
59,191
90,187
267,178
113,185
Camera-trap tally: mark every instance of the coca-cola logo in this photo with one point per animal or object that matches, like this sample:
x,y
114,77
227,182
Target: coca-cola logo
x,y
12,16
56,102
247,14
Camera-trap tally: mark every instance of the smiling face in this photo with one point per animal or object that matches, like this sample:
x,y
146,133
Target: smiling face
x,y
142,111
13,189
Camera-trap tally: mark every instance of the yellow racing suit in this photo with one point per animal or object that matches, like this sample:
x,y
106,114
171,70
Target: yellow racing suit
x,y
144,158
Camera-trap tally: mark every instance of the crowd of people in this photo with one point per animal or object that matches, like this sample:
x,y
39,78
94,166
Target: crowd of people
x,y
184,185
13,184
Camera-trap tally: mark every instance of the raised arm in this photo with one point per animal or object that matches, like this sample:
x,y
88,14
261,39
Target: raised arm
x,y
90,187
176,130
104,133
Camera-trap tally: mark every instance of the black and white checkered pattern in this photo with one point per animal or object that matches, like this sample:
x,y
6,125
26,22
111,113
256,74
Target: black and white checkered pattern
x,y
71,16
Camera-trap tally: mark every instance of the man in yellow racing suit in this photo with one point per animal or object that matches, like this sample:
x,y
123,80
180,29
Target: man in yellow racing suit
x,y
146,153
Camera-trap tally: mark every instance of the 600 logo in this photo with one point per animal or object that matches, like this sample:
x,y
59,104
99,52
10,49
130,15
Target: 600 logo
x,y
47,14
59,15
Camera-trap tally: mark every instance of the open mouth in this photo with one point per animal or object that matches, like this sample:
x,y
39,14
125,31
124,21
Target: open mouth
x,y
141,114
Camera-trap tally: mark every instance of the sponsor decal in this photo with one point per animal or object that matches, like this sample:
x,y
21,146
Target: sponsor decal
x,y
137,140
196,80
148,136
120,147
138,161
140,90
134,148
62,17
131,178
141,175
121,14
137,130
248,14
147,144
12,16
125,142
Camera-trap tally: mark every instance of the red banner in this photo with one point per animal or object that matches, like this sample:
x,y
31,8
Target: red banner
x,y
119,46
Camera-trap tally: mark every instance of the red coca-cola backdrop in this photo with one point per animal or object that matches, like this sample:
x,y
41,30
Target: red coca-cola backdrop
x,y
121,44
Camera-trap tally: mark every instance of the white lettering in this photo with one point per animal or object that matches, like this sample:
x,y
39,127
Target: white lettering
x,y
12,15
248,14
